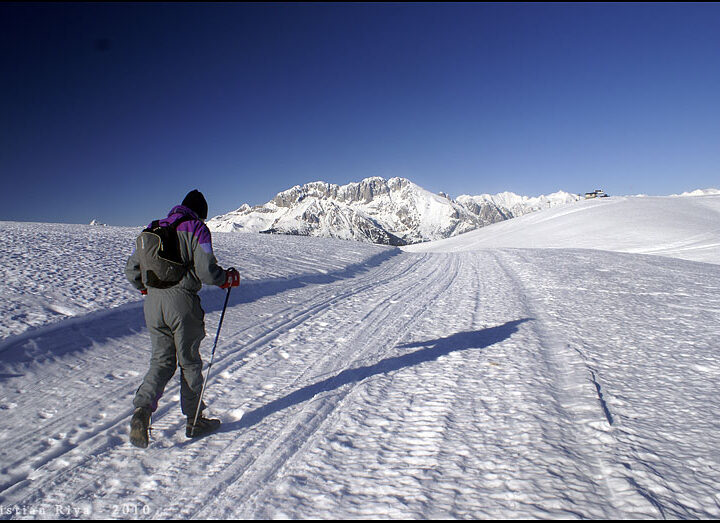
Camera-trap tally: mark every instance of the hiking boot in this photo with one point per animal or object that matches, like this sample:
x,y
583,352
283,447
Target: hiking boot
x,y
139,425
202,426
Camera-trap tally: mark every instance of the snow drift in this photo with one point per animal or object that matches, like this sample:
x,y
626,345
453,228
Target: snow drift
x,y
687,228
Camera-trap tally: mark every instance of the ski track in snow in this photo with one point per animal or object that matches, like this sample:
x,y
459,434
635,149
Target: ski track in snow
x,y
361,382
651,357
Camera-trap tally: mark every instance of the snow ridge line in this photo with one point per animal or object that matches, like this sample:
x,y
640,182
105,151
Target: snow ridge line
x,y
304,426
598,387
603,403
578,387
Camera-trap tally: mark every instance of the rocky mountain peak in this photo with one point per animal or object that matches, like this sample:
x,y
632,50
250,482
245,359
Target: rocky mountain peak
x,y
393,212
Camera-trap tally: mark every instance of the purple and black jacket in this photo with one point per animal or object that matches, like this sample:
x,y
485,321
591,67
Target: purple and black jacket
x,y
195,248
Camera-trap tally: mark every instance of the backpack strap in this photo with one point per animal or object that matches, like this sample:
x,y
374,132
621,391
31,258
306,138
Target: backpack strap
x,y
177,223
174,225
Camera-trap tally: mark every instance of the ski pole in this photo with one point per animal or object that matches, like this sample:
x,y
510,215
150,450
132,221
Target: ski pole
x,y
212,356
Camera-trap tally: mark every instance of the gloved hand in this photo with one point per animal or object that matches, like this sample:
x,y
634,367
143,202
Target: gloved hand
x,y
143,292
232,278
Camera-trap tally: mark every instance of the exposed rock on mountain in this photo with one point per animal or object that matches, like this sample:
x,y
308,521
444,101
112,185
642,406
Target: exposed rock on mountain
x,y
390,212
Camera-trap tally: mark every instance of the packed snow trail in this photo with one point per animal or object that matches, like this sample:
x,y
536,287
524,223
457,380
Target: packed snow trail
x,y
488,384
645,331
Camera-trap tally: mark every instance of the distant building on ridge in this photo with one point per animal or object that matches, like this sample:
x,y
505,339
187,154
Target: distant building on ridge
x,y
598,193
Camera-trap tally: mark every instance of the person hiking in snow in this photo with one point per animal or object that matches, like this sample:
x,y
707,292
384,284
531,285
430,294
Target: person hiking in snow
x,y
173,313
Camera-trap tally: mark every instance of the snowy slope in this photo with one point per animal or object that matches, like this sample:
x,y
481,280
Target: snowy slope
x,y
359,381
687,227
52,272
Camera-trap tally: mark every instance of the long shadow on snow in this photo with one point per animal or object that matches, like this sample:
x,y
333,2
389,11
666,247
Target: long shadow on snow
x,y
81,333
254,290
433,349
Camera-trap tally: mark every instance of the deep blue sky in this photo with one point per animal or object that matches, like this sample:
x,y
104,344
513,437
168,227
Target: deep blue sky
x,y
116,111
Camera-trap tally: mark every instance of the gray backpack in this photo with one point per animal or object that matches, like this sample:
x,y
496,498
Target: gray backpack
x,y
158,250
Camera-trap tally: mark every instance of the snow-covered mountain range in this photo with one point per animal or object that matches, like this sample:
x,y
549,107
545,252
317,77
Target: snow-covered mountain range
x,y
700,192
375,210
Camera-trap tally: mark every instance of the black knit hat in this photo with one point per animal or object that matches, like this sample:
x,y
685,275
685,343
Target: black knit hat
x,y
195,201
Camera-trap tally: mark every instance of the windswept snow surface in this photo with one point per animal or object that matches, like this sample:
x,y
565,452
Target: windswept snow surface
x,y
49,272
687,228
358,381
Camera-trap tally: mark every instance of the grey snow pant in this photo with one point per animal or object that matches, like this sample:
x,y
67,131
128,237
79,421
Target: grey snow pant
x,y
175,320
